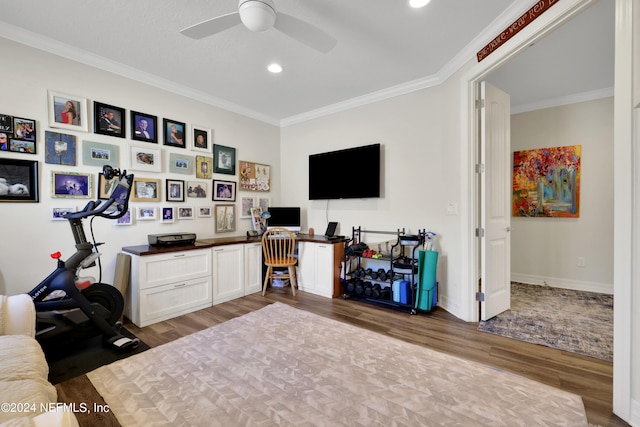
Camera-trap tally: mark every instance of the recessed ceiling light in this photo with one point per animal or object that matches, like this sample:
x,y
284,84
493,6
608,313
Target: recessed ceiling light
x,y
275,68
418,3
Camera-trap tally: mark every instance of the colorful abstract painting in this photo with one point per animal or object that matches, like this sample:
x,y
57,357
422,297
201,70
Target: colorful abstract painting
x,y
546,182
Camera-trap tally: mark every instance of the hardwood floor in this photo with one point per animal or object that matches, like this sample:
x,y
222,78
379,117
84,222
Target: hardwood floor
x,y
588,377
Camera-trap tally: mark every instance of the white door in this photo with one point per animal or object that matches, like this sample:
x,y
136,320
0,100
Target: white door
x,y
495,204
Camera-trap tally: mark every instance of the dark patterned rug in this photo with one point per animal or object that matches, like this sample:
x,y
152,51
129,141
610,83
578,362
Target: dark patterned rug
x,y
576,321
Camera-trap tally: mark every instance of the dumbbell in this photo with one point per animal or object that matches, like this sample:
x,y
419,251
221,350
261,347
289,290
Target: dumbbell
x,y
376,290
382,275
368,289
371,273
359,287
385,293
351,286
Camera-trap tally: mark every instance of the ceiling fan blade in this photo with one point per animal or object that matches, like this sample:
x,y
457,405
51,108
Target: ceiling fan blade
x,y
212,26
305,33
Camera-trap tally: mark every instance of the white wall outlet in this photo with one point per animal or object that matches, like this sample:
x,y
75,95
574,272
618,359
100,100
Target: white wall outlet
x,y
581,262
452,208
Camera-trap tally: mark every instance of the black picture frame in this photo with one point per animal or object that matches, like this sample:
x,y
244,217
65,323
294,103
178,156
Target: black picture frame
x,y
23,139
137,127
19,180
224,159
174,133
175,190
109,120
224,191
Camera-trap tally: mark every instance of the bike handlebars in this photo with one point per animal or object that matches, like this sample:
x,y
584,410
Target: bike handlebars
x,y
119,199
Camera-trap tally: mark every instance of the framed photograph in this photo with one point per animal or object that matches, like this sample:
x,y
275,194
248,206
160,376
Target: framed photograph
x,y
59,148
175,190
144,127
204,212
23,138
57,214
18,180
145,190
67,111
126,219
179,163
225,218
108,120
6,124
99,154
168,214
185,212
71,185
224,191
106,186
146,213
204,166
201,137
225,159
174,133
197,189
264,203
4,141
248,203
146,159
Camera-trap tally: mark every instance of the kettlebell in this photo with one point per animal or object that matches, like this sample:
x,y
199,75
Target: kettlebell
x,y
368,289
351,286
376,291
359,287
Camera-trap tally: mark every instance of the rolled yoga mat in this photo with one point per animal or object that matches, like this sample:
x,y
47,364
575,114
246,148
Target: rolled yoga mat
x,y
427,263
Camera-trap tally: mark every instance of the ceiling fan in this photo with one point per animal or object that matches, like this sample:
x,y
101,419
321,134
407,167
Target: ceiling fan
x,y
261,15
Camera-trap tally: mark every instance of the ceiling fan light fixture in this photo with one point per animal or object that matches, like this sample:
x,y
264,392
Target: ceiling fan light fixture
x,y
275,68
257,15
418,3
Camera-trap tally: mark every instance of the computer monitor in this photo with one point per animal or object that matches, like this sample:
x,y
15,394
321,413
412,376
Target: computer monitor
x,y
288,218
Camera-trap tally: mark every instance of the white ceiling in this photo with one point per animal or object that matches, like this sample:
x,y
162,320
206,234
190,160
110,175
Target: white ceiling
x,y
384,48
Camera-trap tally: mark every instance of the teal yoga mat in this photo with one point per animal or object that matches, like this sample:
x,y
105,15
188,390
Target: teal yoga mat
x,y
427,263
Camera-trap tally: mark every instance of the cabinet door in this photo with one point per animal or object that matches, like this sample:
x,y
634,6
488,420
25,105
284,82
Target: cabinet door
x,y
228,272
306,266
252,268
324,269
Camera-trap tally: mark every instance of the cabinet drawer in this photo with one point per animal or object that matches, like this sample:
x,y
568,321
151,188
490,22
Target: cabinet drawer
x,y
167,301
156,270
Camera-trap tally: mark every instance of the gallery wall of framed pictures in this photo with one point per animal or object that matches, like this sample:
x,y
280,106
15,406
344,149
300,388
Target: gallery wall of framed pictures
x,y
180,173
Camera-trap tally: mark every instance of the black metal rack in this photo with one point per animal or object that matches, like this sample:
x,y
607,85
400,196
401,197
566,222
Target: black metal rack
x,y
371,286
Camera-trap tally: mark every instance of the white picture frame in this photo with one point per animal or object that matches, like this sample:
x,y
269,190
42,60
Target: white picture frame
x,y
168,215
126,219
57,213
204,211
146,213
145,158
76,119
185,212
201,139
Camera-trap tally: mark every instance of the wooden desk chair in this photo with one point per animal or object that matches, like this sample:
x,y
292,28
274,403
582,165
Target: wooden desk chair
x,y
278,249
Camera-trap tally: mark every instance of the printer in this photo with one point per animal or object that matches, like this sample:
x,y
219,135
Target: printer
x,y
172,239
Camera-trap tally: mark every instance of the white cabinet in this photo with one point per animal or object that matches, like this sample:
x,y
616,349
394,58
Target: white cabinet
x,y
252,268
168,285
316,268
228,272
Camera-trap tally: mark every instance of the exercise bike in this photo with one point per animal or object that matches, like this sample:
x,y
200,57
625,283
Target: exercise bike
x,y
69,308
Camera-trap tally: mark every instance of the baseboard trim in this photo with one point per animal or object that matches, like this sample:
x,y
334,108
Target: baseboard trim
x,y
555,282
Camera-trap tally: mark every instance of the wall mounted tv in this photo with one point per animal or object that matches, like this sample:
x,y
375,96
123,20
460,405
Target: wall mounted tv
x,y
353,173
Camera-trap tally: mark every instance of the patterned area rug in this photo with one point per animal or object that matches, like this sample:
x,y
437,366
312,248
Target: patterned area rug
x,y
284,366
576,321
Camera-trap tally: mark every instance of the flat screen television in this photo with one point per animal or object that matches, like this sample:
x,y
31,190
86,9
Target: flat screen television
x,y
353,173
288,218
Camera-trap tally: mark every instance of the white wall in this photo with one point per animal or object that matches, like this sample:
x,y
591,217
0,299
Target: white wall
x,y
28,236
420,172
546,250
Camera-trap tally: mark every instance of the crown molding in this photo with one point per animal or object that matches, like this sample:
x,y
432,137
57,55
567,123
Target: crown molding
x,y
564,100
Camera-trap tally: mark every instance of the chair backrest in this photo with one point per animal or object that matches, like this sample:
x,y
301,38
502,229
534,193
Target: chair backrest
x,y
278,246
